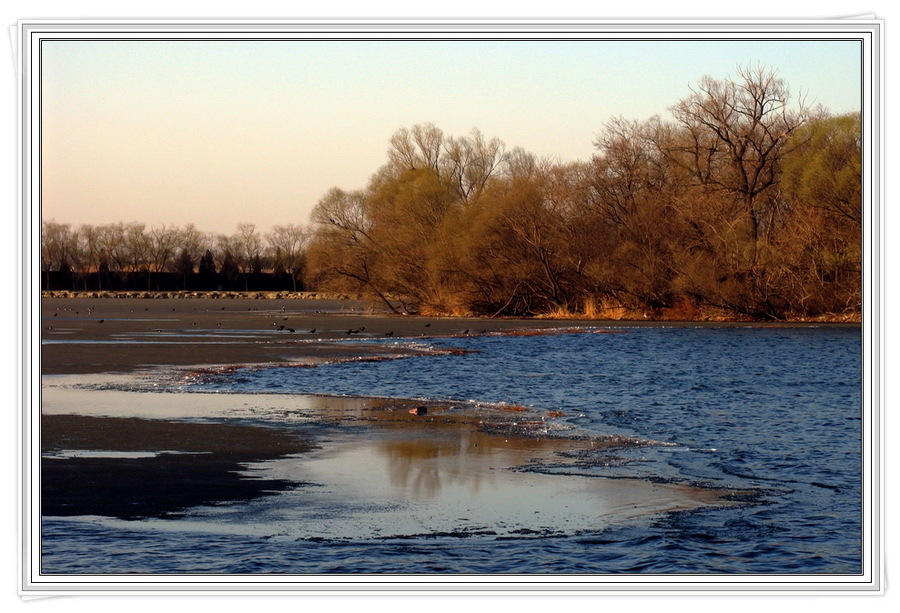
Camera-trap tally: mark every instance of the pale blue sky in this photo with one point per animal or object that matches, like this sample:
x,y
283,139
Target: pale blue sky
x,y
218,133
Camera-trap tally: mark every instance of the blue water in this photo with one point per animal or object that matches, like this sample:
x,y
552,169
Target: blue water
x,y
774,411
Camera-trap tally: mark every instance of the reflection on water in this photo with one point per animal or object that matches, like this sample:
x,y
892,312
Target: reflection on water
x,y
421,461
420,468
376,488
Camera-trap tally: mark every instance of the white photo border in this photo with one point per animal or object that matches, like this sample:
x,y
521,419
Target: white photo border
x,y
31,34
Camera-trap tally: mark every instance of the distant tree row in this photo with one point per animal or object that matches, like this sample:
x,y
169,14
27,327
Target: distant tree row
x,y
134,256
742,202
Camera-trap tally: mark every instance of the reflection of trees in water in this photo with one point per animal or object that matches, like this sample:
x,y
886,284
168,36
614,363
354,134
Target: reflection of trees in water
x,y
425,462
423,466
444,448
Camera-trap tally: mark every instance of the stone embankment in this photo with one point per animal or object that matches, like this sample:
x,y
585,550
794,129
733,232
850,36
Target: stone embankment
x,y
205,295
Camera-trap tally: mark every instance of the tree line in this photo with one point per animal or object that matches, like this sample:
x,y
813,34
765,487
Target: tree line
x,y
743,202
167,257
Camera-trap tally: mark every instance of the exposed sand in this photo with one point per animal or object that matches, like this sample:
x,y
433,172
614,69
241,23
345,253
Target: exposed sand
x,y
382,466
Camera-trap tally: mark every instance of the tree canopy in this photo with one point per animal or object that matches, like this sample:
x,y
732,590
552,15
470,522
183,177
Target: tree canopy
x,y
722,207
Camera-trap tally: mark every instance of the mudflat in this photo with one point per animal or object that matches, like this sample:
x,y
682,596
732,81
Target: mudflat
x,y
84,335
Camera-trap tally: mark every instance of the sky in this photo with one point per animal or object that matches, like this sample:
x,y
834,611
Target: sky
x,y
220,133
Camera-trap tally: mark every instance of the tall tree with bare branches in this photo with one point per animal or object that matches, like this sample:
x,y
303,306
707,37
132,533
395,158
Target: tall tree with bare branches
x,y
740,131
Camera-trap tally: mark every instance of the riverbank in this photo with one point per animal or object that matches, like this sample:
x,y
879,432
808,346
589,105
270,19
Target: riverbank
x,y
93,335
681,312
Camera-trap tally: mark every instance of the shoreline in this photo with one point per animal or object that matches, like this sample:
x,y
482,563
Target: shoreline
x,y
359,303
125,334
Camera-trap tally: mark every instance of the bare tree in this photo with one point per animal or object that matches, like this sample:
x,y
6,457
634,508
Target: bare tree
x,y
90,252
162,243
415,148
113,244
740,131
58,247
137,247
469,162
249,244
625,170
290,240
192,243
343,250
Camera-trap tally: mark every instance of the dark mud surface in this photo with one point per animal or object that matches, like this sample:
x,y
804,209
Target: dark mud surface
x,y
140,468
